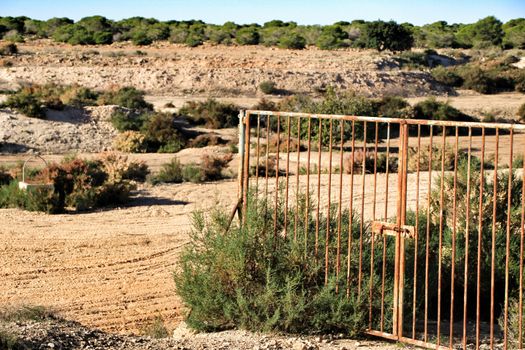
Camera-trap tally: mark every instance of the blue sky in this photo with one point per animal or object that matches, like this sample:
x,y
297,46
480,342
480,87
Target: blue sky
x,y
260,11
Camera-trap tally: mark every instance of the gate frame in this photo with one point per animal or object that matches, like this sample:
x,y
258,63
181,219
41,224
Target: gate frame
x,y
399,269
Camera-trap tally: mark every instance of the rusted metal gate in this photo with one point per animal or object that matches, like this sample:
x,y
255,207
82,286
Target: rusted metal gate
x,y
435,231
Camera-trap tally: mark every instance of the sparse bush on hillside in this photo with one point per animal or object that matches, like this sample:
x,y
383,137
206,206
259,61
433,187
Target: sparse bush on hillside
x,y
128,97
78,184
211,113
161,135
169,173
435,110
26,103
521,113
268,87
8,50
447,76
128,121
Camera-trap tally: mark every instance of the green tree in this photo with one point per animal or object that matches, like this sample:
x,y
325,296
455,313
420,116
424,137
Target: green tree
x,y
247,36
331,37
514,33
485,32
382,35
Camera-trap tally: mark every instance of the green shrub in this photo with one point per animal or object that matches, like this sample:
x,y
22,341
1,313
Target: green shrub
x,y
161,135
170,172
156,329
247,36
128,121
521,113
26,103
268,87
35,199
211,113
192,172
435,110
391,36
128,97
394,107
474,78
513,323
292,41
446,76
263,282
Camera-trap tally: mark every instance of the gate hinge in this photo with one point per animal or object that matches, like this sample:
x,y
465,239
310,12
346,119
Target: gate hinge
x,y
392,229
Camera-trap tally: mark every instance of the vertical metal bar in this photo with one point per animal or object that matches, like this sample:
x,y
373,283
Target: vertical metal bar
x,y
350,213
507,249
480,229
454,232
401,238
383,268
258,157
246,168
307,191
361,224
467,233
440,249
287,177
267,164
372,234
298,169
416,238
401,150
319,151
522,238
427,250
493,246
240,173
327,238
340,207
277,175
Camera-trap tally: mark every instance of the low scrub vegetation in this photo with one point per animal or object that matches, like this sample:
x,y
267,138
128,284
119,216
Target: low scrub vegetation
x,y
252,279
211,113
33,100
211,168
77,184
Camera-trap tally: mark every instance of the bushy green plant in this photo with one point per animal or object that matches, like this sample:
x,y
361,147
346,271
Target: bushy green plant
x,y
35,199
521,113
391,36
170,172
247,36
446,76
252,279
161,134
268,87
435,110
127,96
211,113
26,103
292,41
5,176
192,172
128,120
155,329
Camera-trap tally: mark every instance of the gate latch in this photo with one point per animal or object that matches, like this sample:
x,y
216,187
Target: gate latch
x,y
392,229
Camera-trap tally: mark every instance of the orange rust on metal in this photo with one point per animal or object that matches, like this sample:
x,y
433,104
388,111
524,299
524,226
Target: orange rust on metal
x,y
287,177
351,213
319,151
467,228
507,248
246,168
340,206
392,229
493,243
416,235
361,222
277,175
480,231
327,238
425,332
454,229
296,218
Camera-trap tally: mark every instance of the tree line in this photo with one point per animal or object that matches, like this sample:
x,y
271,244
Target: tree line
x,y
380,35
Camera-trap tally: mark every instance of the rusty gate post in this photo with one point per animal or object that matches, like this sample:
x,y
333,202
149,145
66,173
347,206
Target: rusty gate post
x,y
246,166
399,266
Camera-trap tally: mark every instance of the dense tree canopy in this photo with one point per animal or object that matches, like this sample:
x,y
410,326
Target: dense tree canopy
x,y
380,35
